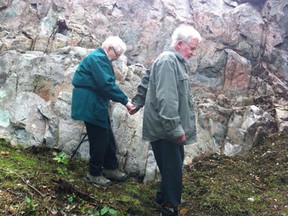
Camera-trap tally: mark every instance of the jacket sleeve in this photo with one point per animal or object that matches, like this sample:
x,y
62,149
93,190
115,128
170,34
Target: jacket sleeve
x,y
167,97
104,78
139,99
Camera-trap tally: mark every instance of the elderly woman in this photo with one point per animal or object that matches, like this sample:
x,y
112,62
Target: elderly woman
x,y
94,86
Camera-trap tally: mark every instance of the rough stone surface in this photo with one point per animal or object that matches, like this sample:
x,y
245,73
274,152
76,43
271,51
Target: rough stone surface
x,y
239,76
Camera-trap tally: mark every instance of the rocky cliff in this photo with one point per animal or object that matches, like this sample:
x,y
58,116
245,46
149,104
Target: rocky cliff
x,y
239,76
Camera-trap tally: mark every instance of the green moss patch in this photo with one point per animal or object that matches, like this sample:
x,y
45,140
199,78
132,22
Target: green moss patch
x,y
33,182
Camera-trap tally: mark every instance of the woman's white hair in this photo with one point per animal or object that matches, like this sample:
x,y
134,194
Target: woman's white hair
x,y
116,43
185,32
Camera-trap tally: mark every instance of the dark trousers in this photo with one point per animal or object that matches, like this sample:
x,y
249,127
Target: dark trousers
x,y
169,157
102,149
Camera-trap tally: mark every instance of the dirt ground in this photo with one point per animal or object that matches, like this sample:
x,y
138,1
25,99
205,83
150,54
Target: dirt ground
x,y
41,181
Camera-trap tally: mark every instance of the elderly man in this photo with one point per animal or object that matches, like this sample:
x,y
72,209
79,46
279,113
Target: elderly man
x,y
169,120
94,86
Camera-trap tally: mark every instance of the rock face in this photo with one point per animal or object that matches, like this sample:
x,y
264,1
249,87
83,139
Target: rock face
x,y
239,76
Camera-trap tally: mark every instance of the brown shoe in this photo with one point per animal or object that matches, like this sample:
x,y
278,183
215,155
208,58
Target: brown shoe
x,y
115,174
98,180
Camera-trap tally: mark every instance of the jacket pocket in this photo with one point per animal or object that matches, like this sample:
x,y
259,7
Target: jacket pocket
x,y
183,84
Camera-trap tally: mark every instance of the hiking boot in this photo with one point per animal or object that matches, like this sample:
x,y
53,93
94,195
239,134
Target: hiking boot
x,y
159,201
115,174
169,212
98,180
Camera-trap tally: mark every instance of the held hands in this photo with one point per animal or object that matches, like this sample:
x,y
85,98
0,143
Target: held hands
x,y
132,109
129,106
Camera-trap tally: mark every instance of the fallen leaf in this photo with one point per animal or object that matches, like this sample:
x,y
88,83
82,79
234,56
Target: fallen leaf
x,y
183,211
5,153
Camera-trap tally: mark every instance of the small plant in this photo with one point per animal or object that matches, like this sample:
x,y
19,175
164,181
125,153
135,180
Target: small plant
x,y
31,205
62,170
61,157
71,198
105,211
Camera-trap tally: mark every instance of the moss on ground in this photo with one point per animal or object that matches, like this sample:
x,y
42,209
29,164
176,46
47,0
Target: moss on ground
x,y
252,184
32,183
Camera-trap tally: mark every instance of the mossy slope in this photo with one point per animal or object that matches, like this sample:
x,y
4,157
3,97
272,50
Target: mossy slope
x,y
32,183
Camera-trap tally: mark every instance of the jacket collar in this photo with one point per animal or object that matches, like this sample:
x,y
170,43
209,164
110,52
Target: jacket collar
x,y
177,54
100,49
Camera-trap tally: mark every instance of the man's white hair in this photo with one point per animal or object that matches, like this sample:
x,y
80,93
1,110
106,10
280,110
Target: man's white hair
x,y
185,32
116,43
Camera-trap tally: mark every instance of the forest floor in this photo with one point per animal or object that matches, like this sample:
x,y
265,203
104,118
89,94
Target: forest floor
x,y
41,181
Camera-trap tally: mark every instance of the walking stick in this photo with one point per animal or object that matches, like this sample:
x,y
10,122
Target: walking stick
x,y
75,151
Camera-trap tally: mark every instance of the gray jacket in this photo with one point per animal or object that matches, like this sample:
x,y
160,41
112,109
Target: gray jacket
x,y
165,91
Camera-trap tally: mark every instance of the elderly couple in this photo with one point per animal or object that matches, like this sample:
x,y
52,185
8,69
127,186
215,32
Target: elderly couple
x,y
168,122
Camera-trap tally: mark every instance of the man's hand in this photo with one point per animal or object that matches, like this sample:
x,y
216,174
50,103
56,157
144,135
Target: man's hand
x,y
182,138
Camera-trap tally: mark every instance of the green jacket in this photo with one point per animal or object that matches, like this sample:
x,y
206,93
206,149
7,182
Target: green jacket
x,y
165,91
94,87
